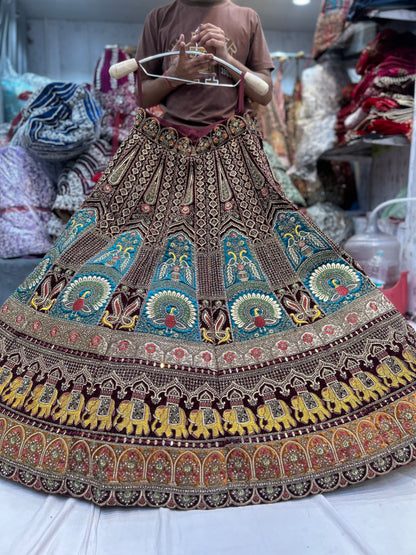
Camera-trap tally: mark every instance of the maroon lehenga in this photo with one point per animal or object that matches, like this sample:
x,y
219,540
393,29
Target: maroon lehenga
x,y
193,341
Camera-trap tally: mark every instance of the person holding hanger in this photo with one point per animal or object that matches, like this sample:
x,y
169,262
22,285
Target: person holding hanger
x,y
192,340
220,27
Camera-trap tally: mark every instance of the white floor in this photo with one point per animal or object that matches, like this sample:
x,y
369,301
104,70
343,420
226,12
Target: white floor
x,y
377,517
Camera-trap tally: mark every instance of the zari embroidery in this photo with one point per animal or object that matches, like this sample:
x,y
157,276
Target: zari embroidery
x,y
193,341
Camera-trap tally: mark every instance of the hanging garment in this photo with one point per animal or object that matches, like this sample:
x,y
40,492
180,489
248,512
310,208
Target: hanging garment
x,y
193,341
293,105
330,25
116,98
321,89
272,121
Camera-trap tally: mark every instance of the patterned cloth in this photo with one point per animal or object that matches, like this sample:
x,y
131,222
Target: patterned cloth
x,y
330,25
361,8
193,341
26,196
77,179
383,100
59,122
116,97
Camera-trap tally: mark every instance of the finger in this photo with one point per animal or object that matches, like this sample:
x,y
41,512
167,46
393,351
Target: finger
x,y
179,42
202,58
204,28
182,50
207,26
207,36
200,62
213,43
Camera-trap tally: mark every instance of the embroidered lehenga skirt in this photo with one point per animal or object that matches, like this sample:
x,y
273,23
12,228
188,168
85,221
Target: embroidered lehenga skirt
x,y
193,341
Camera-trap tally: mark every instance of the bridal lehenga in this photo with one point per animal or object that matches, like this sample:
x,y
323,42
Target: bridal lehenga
x,y
193,341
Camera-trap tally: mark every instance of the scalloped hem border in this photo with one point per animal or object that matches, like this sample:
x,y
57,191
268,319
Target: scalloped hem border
x,y
232,495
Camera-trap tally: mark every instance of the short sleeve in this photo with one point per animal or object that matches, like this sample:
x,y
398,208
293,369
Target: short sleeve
x,y
148,44
259,56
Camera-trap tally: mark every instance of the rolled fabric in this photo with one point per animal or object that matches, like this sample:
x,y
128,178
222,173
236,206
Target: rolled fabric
x,y
59,122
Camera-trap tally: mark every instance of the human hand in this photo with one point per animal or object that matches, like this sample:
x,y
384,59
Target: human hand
x,y
213,39
189,68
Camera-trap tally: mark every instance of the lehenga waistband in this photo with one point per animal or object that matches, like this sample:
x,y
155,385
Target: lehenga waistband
x,y
189,140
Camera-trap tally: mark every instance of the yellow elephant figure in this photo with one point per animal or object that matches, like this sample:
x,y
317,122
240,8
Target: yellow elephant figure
x,y
15,395
308,406
133,413
367,385
240,420
274,413
394,372
42,399
99,410
340,397
205,420
69,407
171,419
5,377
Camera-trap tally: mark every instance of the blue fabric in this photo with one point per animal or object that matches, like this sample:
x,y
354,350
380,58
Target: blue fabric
x,y
359,8
60,122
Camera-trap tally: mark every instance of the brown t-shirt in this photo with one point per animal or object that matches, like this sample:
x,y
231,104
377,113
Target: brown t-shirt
x,y
197,105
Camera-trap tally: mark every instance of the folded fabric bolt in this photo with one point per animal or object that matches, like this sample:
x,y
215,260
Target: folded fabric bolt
x,y
59,122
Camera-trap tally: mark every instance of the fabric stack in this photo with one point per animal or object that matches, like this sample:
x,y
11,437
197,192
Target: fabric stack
x,y
56,125
382,101
58,145
16,89
26,197
361,9
59,122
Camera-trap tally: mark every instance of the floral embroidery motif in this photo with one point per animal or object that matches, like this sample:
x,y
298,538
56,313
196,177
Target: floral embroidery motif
x,y
191,341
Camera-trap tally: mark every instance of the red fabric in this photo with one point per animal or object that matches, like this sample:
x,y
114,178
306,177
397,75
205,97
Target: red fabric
x,y
385,42
388,66
389,127
380,104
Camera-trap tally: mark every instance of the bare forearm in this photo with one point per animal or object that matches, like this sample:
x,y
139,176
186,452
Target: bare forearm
x,y
181,67
154,91
248,89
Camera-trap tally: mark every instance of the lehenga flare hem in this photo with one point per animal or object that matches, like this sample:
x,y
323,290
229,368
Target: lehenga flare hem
x,y
193,341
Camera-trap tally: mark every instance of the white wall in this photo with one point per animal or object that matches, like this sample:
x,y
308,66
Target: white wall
x,y
69,50
289,41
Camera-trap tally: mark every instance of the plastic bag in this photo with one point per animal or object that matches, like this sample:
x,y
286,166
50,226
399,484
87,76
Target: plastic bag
x,y
17,89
